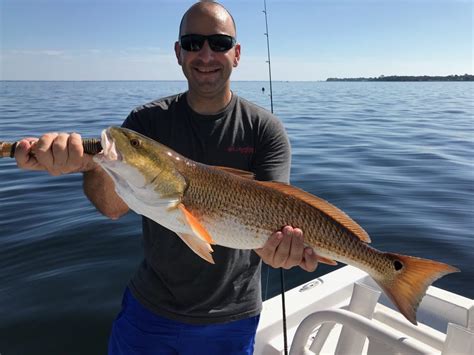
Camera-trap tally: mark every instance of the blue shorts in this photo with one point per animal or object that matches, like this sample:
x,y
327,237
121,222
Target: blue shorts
x,y
139,331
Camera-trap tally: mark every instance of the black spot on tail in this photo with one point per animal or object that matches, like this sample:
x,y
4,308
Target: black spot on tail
x,y
397,264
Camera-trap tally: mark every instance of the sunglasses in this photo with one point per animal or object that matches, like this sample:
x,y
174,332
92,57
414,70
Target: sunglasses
x,y
218,43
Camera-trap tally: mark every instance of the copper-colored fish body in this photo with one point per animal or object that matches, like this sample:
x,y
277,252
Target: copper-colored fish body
x,y
207,205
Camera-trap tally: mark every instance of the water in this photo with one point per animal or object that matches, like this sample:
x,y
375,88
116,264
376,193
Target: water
x,y
397,157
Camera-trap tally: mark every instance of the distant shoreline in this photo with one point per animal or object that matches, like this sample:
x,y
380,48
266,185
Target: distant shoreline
x,y
465,77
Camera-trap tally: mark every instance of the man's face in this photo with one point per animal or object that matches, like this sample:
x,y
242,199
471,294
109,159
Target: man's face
x,y
208,72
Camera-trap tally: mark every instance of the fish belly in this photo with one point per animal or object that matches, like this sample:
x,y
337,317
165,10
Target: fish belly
x,y
231,233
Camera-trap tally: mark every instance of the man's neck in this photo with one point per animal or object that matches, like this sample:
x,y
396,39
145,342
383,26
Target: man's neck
x,y
208,105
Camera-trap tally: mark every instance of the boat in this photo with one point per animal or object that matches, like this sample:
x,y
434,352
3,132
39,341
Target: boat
x,y
345,312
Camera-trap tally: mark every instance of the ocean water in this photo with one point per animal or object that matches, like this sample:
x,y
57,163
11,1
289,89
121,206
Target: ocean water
x,y
397,157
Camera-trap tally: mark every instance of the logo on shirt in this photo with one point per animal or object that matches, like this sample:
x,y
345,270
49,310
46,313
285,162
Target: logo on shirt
x,y
241,150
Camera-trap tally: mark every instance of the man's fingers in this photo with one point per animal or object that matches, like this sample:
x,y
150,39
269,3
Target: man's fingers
x,y
60,153
22,153
310,260
24,159
286,249
282,252
295,255
43,152
75,151
57,153
268,250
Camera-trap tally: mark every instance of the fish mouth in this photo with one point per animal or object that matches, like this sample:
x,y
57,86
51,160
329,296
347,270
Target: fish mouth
x,y
109,150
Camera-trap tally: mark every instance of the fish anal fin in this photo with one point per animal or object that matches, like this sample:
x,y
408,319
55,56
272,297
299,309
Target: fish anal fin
x,y
198,246
327,261
238,172
197,228
322,205
412,277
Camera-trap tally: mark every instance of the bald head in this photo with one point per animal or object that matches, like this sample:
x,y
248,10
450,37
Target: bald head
x,y
206,9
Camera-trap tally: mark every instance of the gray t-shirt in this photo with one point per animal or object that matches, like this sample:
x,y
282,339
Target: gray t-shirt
x,y
172,281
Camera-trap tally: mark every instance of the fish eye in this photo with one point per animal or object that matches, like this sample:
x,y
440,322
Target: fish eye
x,y
135,142
397,264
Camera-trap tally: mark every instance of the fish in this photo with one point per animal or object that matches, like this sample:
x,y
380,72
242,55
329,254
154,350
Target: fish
x,y
210,205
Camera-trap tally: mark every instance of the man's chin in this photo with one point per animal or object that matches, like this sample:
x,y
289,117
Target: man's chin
x,y
208,87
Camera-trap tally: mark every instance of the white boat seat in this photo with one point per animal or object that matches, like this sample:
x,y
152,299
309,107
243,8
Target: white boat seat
x,y
357,327
363,302
360,324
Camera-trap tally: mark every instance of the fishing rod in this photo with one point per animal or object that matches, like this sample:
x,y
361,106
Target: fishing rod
x,y
282,274
268,54
90,145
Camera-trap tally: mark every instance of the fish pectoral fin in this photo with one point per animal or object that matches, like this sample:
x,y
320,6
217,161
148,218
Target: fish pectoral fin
x,y
195,225
198,246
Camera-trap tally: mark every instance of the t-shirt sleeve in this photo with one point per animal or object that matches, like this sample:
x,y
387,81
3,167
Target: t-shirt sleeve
x,y
135,123
273,153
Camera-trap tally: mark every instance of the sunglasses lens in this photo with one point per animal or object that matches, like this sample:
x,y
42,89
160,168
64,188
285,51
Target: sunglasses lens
x,y
192,43
218,43
221,43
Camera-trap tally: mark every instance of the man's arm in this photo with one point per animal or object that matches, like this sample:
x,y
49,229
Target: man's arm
x,y
99,189
62,153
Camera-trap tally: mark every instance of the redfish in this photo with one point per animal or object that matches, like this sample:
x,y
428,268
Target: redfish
x,y
206,205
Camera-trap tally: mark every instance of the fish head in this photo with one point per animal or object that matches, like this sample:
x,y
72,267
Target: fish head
x,y
140,166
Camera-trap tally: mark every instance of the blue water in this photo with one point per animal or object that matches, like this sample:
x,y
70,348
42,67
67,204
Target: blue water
x,y
397,157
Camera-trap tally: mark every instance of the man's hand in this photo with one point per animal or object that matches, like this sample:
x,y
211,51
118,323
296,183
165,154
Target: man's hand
x,y
286,249
56,153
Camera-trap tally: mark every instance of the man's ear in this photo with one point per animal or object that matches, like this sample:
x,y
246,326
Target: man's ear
x,y
177,51
237,55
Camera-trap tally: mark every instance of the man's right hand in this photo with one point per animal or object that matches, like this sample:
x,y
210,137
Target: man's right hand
x,y
56,153
62,153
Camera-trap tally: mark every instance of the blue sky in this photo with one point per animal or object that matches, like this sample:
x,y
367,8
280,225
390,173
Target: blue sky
x,y
309,40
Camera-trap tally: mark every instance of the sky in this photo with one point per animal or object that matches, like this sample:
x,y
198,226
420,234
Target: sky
x,y
309,40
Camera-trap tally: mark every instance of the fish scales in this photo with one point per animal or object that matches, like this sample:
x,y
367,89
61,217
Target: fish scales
x,y
217,198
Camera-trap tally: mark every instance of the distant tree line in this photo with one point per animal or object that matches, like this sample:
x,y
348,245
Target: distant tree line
x,y
465,77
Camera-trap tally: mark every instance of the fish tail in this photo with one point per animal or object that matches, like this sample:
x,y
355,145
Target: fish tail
x,y
410,279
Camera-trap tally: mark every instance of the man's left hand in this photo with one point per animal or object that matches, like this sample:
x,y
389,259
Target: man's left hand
x,y
286,249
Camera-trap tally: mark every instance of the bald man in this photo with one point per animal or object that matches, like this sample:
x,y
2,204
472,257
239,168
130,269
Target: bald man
x,y
176,303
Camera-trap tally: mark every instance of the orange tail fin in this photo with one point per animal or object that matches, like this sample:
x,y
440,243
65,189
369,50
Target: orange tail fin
x,y
410,279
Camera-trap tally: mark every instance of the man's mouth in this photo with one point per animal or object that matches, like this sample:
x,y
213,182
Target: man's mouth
x,y
206,70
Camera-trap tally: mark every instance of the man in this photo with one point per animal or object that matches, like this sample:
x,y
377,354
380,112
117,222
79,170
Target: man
x,y
176,302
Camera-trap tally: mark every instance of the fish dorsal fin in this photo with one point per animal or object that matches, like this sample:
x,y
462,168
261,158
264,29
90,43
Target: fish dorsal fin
x,y
238,172
322,205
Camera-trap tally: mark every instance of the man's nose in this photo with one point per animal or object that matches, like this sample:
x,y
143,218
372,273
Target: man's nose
x,y
206,53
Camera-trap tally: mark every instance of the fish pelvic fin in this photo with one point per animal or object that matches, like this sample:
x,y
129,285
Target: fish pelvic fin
x,y
198,246
197,228
410,279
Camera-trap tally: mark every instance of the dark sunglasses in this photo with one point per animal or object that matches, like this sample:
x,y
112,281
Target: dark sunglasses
x,y
218,43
